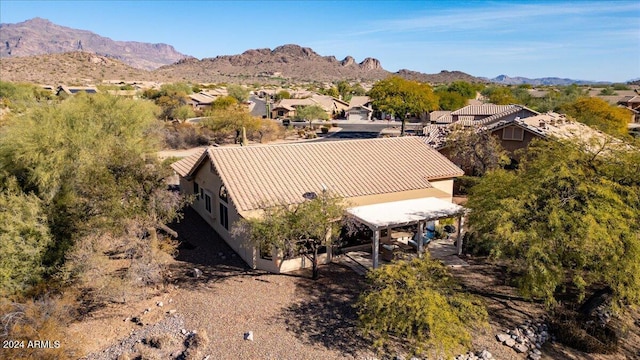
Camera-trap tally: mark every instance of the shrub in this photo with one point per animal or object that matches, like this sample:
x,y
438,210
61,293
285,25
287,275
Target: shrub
x,y
421,304
44,319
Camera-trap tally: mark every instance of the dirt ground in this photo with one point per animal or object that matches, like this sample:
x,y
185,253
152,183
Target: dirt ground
x,y
290,316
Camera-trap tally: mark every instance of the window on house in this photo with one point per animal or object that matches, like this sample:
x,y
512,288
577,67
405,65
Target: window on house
x,y
207,202
224,216
513,133
224,212
196,190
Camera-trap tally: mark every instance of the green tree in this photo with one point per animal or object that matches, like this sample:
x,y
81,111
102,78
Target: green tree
x,y
402,98
567,221
598,113
169,98
224,102
24,238
475,152
499,95
465,89
450,100
19,97
310,113
227,122
91,162
183,113
420,303
297,229
238,92
283,94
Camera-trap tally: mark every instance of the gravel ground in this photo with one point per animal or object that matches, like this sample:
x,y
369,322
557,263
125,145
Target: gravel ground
x,y
290,316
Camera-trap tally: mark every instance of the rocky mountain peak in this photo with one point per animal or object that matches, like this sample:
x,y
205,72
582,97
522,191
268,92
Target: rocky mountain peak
x,y
348,61
294,50
370,64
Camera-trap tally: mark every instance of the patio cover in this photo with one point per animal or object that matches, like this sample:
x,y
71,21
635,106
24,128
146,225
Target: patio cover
x,y
404,212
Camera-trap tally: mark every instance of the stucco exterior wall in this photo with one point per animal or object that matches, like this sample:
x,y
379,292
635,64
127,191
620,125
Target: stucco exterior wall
x,y
209,181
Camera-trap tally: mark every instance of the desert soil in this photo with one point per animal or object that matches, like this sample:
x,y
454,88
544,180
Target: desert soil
x,y
290,316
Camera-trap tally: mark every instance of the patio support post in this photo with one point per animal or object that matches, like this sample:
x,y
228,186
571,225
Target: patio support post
x,y
327,240
376,247
458,237
419,237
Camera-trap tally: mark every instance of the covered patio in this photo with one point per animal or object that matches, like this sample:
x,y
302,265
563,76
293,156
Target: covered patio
x,y
384,217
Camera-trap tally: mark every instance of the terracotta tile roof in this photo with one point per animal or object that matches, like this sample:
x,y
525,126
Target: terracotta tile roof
x,y
183,167
434,115
257,176
359,101
509,111
481,110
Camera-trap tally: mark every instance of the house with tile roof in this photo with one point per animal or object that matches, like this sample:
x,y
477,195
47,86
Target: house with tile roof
x,y
632,103
483,118
517,133
286,108
231,183
360,108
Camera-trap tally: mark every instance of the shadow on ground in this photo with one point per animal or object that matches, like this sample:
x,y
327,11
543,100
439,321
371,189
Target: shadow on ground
x,y
203,249
328,317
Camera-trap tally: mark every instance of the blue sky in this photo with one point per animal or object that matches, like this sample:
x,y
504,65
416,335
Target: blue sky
x,y
584,40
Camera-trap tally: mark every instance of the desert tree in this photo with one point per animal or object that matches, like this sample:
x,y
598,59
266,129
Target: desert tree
x,y
599,114
402,98
567,221
475,151
297,229
310,113
91,162
418,305
238,92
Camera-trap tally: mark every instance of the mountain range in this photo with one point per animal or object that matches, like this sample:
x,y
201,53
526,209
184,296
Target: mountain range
x,y
507,80
38,50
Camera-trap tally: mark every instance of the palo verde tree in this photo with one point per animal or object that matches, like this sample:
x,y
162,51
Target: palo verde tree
x,y
402,98
310,113
567,221
238,92
297,229
598,113
420,303
90,162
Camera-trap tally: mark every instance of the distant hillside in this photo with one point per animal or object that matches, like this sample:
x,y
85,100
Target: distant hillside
x,y
442,77
294,63
68,68
288,61
507,80
40,36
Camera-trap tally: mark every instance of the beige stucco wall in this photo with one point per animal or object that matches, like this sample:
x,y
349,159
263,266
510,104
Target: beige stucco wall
x,y
210,181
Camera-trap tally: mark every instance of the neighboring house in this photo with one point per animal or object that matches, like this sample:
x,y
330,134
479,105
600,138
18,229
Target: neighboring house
x,y
201,100
231,183
632,103
517,133
72,90
360,108
486,117
286,108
